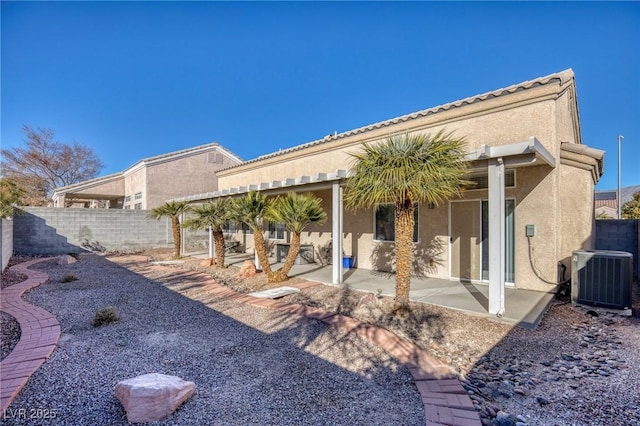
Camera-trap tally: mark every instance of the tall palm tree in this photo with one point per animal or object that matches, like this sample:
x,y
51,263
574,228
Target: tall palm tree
x,y
296,213
212,215
251,210
404,170
173,210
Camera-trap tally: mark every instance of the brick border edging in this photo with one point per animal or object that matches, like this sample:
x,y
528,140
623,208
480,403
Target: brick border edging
x,y
40,332
444,399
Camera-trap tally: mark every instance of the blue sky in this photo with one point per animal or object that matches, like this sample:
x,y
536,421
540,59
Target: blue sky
x,y
137,79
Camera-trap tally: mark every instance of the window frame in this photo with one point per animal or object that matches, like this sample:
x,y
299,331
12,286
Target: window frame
x,y
416,223
274,228
230,227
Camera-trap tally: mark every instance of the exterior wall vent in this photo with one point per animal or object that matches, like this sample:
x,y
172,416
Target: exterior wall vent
x,y
602,278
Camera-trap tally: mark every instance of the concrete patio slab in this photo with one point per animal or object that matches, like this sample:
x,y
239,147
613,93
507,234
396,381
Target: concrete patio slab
x,y
524,308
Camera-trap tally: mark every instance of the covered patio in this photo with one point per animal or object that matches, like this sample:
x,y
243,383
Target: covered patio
x,y
524,308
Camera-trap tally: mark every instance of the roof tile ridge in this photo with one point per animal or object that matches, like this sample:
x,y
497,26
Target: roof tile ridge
x,y
563,76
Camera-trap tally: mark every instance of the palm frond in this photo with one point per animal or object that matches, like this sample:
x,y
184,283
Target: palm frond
x,y
418,167
297,211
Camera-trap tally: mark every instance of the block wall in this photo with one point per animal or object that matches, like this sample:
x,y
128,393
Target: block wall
x,y
6,229
43,230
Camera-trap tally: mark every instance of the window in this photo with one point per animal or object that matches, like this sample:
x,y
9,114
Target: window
x,y
482,181
385,223
138,206
127,198
229,227
127,207
138,195
276,231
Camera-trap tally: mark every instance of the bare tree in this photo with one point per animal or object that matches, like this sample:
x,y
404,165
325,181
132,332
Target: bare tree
x,y
45,164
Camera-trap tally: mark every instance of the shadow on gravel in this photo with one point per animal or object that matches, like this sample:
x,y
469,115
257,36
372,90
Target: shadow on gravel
x,y
573,368
414,325
250,365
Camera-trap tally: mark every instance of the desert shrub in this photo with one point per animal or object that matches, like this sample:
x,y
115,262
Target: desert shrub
x,y
105,316
68,278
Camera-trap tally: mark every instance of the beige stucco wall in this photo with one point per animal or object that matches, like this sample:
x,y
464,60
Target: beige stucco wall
x,y
577,221
558,201
188,175
538,201
160,180
111,187
135,181
489,122
609,211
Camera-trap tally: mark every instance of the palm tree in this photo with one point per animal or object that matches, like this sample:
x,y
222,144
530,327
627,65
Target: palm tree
x,y
404,170
251,210
211,215
296,213
172,209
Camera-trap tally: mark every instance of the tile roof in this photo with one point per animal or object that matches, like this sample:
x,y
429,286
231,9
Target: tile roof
x,y
562,77
147,160
182,152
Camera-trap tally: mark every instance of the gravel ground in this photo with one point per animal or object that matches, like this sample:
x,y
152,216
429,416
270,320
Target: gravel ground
x,y
250,365
574,369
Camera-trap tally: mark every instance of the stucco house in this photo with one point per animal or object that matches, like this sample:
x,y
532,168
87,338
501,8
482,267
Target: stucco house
x,y
606,204
151,181
533,203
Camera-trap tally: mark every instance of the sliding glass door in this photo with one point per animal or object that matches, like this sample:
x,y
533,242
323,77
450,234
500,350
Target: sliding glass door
x,y
509,264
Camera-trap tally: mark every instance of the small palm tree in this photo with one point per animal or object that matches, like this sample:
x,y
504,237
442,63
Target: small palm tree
x,y
296,213
404,170
173,210
211,215
251,210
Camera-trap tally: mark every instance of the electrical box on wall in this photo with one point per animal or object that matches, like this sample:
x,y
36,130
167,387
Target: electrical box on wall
x,y
531,230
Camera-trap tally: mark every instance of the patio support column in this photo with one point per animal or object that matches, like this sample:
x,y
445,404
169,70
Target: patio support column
x,y
496,236
336,232
211,246
182,236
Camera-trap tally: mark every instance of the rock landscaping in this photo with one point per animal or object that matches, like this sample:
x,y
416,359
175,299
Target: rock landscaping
x,y
251,365
577,367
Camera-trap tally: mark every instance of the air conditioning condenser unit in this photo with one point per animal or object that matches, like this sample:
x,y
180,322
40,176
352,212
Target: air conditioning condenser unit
x,y
602,278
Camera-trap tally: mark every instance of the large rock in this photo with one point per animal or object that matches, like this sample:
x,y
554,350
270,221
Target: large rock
x,y
153,396
248,269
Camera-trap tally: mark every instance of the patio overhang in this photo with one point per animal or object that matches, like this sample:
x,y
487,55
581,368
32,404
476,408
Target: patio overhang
x,y
495,159
517,154
489,159
312,182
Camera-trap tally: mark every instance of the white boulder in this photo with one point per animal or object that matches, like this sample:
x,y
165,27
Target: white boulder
x,y
153,396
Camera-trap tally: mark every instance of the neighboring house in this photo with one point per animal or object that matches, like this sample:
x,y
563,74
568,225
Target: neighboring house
x,y
532,206
606,204
151,181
